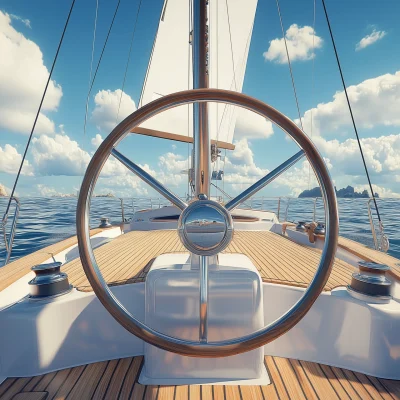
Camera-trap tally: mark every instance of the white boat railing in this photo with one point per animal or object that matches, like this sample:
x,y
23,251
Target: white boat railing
x,y
9,241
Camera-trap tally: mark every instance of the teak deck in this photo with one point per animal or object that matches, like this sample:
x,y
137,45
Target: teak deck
x,y
118,379
127,258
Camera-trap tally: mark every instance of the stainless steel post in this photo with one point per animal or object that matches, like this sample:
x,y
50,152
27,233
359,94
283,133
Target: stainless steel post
x,y
371,222
203,298
201,139
279,206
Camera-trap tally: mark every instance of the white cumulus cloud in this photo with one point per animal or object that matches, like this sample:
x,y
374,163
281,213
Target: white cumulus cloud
x,y
23,77
370,39
301,43
382,191
252,126
10,161
374,102
59,155
97,140
382,154
240,168
105,112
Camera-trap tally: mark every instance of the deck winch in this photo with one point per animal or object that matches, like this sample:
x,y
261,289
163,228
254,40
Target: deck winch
x,y
370,282
49,281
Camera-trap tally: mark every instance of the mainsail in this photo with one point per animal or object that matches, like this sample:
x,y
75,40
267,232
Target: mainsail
x,y
170,66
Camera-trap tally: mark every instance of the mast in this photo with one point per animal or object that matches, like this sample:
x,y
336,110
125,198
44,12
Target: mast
x,y
201,139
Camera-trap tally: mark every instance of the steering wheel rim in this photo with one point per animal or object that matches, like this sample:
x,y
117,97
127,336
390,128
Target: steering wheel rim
x,y
225,347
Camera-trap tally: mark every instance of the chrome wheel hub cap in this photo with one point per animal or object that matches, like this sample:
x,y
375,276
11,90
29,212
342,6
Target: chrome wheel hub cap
x,y
205,227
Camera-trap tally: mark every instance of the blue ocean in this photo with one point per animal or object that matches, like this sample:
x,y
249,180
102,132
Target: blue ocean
x,y
44,221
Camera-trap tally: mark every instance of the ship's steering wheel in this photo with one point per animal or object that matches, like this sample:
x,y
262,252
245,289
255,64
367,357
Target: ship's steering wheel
x,y
203,348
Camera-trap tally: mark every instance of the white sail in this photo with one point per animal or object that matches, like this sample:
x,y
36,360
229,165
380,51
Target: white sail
x,y
170,70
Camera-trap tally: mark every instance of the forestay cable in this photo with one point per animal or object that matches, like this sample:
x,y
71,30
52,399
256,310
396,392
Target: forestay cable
x,y
129,59
98,64
40,106
290,65
91,61
312,87
351,112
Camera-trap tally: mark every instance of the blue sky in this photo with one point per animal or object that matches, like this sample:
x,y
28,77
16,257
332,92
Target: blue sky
x,y
370,69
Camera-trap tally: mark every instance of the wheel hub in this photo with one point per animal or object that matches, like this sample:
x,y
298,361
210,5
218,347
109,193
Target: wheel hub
x,y
205,227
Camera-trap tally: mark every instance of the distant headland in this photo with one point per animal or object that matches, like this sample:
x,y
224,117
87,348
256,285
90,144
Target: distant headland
x,y
3,192
348,193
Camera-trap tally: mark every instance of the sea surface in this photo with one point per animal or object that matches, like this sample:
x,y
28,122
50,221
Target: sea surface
x,y
44,221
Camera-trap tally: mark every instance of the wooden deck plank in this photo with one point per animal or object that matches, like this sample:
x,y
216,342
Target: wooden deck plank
x,y
88,381
57,382
166,392
341,378
131,377
251,392
66,387
218,392
18,268
105,379
305,383
32,383
321,385
290,379
232,392
206,392
151,392
118,378
274,374
194,392
380,388
45,381
182,392
16,387
339,389
138,392
369,387
368,254
126,259
31,396
357,385
6,384
393,387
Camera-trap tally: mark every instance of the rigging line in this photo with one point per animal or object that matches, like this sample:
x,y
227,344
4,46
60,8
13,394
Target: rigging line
x,y
98,64
129,59
351,112
290,65
162,15
232,82
91,62
312,88
230,39
188,107
40,107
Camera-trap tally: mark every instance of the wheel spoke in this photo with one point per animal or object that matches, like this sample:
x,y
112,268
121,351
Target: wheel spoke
x,y
142,174
253,189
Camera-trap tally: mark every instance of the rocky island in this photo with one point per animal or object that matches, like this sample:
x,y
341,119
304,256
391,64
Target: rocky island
x,y
347,192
